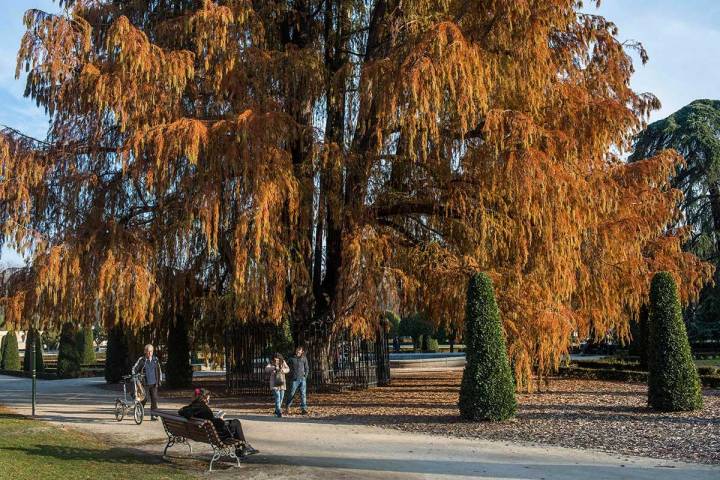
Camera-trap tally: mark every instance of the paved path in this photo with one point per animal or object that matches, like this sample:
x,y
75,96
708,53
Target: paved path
x,y
303,448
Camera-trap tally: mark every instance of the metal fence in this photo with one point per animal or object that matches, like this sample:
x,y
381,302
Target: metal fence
x,y
338,360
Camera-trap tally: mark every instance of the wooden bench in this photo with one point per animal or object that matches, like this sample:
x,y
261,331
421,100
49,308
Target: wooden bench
x,y
179,430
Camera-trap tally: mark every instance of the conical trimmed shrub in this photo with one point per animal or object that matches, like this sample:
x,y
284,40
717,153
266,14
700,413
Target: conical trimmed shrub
x,y
179,371
673,382
2,348
33,337
11,354
487,391
86,346
68,365
117,357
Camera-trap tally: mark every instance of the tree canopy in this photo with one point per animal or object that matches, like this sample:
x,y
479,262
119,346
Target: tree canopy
x,y
694,132
316,160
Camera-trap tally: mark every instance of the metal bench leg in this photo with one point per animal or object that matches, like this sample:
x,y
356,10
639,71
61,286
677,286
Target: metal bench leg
x,y
170,443
216,456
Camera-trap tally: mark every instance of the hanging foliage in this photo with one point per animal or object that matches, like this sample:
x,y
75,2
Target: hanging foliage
x,y
320,160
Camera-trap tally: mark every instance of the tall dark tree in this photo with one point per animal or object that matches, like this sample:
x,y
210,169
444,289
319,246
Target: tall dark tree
x,y
178,371
673,382
694,132
487,391
117,356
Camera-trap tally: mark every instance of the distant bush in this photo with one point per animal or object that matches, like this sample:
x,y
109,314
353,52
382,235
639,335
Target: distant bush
x,y
433,345
11,354
86,346
117,358
33,338
68,364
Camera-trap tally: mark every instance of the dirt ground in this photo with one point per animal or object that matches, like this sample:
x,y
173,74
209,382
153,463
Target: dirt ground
x,y
589,414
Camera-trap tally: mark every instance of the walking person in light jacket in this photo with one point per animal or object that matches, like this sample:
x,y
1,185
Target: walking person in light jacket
x,y
277,369
149,365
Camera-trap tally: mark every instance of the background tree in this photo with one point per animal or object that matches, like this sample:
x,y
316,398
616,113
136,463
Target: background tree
x,y
694,132
317,158
416,326
99,335
178,371
11,354
51,337
487,391
117,357
68,360
673,382
33,337
85,345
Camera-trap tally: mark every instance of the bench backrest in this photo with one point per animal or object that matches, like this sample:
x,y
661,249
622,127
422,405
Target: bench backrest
x,y
193,429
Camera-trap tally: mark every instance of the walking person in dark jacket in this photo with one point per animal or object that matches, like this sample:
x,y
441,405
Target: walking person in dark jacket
x,y
149,365
299,370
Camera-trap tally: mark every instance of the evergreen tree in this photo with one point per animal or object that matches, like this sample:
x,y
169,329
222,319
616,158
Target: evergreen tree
x,y
86,345
178,370
117,359
33,338
68,365
487,391
673,382
2,348
11,355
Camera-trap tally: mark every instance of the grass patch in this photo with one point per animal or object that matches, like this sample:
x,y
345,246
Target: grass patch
x,y
32,449
708,362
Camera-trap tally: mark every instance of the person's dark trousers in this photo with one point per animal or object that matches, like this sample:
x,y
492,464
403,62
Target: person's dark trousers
x,y
302,385
152,392
235,429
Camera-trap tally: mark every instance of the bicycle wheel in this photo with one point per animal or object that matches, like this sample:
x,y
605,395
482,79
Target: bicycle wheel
x,y
119,410
138,413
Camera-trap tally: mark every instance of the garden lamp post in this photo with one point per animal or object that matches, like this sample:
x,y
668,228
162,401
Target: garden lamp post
x,y
33,366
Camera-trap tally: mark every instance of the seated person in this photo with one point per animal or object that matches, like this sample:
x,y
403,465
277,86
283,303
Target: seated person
x,y
199,408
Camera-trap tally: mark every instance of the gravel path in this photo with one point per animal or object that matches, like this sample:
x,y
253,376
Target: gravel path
x,y
607,416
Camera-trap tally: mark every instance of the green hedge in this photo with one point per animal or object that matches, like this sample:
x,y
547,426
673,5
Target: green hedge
x,y
487,391
673,383
609,374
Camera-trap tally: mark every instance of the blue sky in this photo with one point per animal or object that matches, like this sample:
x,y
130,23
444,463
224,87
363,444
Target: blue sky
x,y
681,36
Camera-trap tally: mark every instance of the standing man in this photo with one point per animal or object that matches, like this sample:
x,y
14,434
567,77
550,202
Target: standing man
x,y
299,370
149,365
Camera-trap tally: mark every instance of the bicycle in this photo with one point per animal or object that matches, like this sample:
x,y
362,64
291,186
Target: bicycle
x,y
123,405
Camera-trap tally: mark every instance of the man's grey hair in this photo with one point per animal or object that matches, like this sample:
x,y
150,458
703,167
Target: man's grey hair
x,y
149,347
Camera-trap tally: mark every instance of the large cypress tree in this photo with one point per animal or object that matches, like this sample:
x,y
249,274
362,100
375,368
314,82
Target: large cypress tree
x,y
86,346
117,357
2,348
33,338
487,391
11,355
179,371
673,382
441,127
68,365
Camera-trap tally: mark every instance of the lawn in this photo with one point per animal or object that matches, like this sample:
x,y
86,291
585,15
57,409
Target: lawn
x,y
31,449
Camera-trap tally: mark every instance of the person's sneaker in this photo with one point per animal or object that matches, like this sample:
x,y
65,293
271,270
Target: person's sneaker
x,y
303,412
153,419
248,450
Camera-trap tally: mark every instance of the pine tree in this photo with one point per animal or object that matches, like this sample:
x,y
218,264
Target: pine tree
x,y
117,358
86,346
33,337
673,382
68,363
11,354
487,391
178,369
